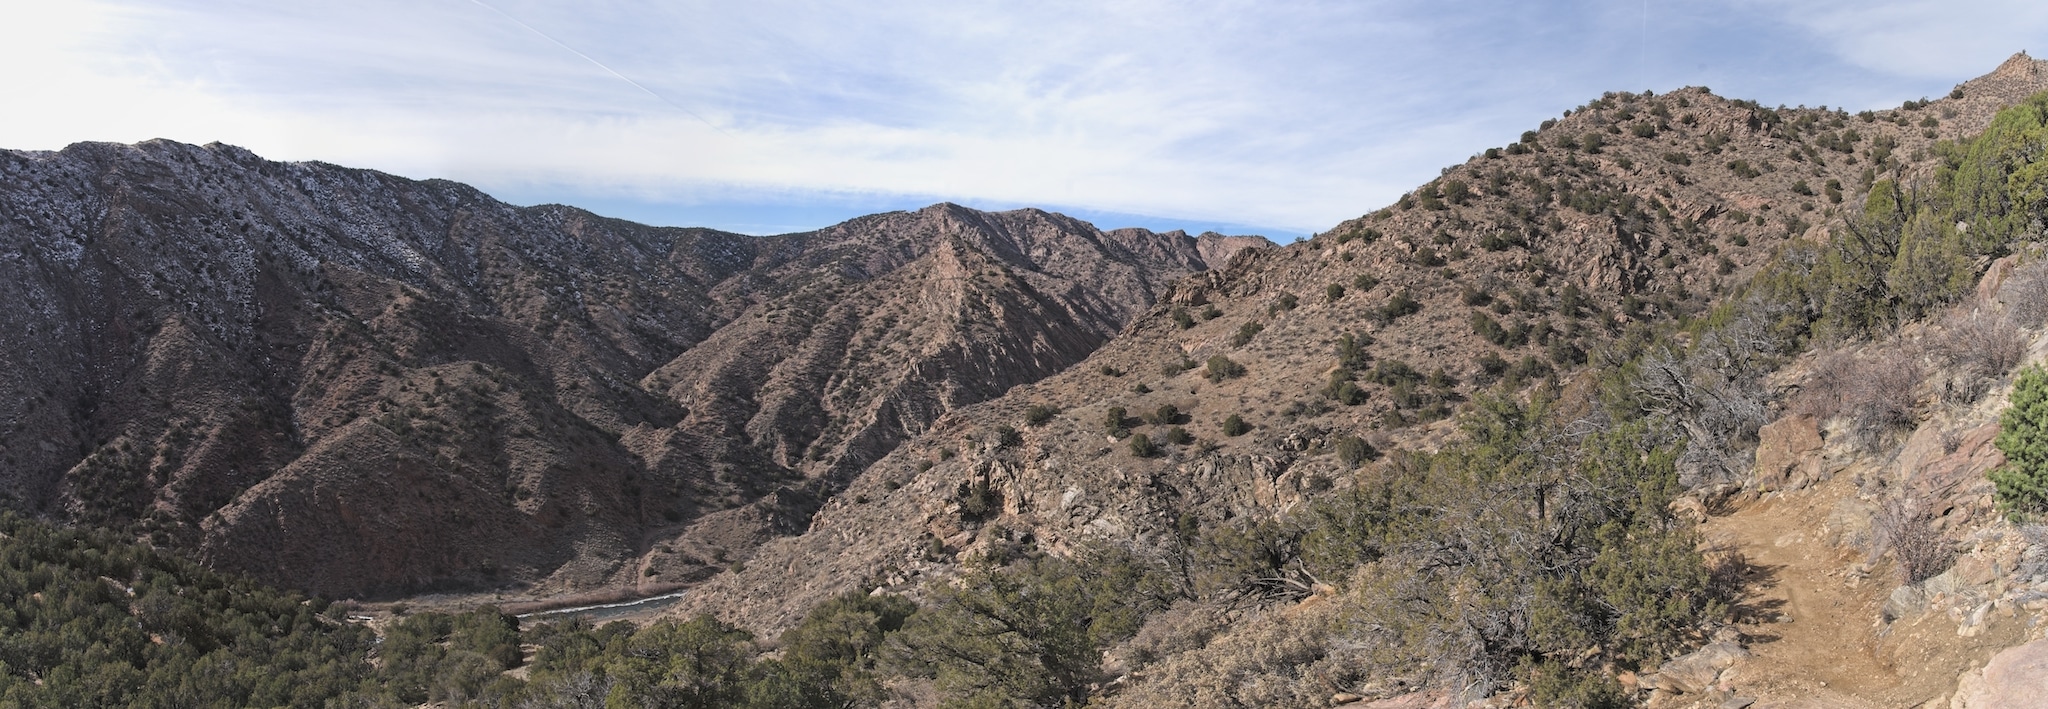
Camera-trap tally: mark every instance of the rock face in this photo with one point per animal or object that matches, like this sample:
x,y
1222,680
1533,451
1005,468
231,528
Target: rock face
x,y
354,383
2015,677
1695,672
1786,453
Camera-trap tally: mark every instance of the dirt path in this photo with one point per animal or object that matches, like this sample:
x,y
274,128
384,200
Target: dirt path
x,y
1813,619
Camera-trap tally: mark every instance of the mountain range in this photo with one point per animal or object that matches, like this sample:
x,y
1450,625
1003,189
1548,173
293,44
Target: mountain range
x,y
375,388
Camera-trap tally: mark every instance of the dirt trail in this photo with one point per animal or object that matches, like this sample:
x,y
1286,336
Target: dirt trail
x,y
1812,617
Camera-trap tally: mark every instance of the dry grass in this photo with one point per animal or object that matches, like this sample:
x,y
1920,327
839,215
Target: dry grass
x,y
2026,295
1975,348
1875,394
1905,527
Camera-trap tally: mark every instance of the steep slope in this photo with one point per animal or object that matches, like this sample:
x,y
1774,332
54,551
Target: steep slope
x,y
1511,270
354,383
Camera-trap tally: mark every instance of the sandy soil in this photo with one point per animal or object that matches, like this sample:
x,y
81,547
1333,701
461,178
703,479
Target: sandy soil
x,y
1812,618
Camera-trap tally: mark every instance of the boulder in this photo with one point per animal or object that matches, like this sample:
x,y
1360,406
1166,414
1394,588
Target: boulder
x,y
1905,601
1695,673
1787,453
2015,677
1994,278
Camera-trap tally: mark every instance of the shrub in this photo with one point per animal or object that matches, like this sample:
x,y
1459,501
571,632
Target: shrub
x,y
1287,301
1526,370
1343,389
1007,437
977,499
1977,348
1354,450
1491,367
1182,318
1364,282
1038,414
1334,292
1222,367
1174,368
1391,372
1234,425
2022,482
1141,445
1488,329
1905,527
1116,422
1164,415
1245,333
1400,305
1351,352
1110,371
1179,436
1572,302
2025,295
1875,395
1456,191
1565,353
1029,635
1212,312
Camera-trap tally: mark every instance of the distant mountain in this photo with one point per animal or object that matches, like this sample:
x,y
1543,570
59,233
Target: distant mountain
x,y
352,383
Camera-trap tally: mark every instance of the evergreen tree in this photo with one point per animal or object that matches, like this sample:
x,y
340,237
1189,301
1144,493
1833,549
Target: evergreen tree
x,y
2023,436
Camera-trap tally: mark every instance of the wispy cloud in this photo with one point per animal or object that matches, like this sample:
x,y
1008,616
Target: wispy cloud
x,y
1284,117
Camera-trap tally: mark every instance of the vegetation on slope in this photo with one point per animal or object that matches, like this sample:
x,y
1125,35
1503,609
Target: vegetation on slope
x,y
1537,547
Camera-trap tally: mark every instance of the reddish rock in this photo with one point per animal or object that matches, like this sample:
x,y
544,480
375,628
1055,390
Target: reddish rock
x,y
1787,453
2015,677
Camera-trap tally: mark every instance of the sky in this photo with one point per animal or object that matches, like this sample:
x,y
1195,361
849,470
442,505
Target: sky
x,y
1274,117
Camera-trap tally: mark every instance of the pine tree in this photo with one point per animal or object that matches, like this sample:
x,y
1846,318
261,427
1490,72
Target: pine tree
x,y
2023,436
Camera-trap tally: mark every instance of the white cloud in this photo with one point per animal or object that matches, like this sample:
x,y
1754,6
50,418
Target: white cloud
x,y
1948,41
1288,115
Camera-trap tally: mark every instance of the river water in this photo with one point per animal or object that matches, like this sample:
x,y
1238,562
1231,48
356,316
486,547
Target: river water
x,y
606,611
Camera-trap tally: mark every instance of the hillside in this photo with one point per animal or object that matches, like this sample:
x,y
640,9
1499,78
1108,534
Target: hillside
x,y
352,383
1677,400
1685,236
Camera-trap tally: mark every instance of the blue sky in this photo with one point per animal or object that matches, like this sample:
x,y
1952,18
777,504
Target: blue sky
x,y
1275,117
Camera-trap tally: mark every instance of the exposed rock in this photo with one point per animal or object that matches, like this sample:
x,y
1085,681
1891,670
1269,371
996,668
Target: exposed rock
x,y
1904,602
1786,453
1695,672
1994,278
2015,677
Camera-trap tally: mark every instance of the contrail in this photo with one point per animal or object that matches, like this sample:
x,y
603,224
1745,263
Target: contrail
x,y
601,65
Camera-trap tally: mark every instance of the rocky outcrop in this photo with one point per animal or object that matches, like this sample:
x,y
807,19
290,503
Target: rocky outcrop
x,y
1786,453
2015,677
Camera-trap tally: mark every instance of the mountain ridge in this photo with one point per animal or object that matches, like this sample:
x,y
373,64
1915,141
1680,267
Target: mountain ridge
x,y
246,325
